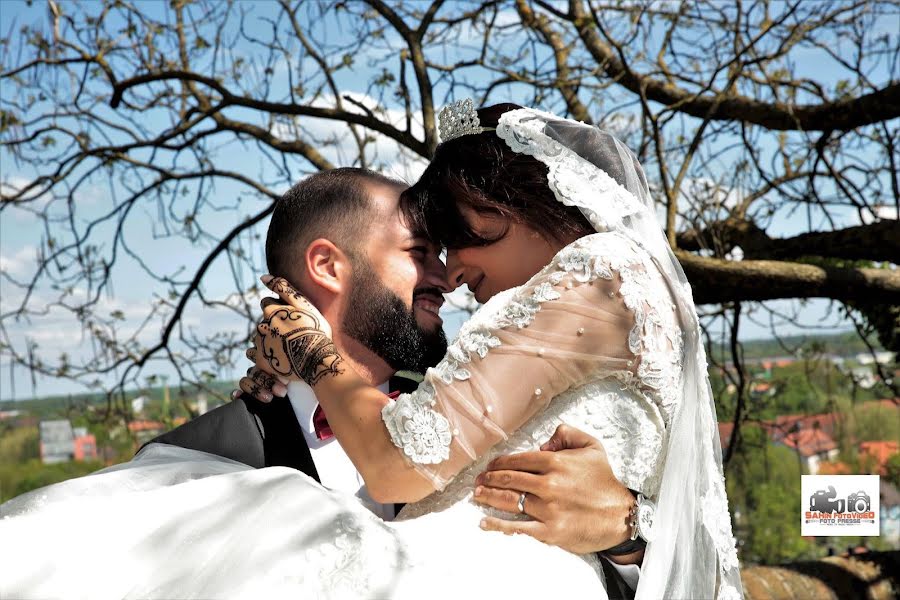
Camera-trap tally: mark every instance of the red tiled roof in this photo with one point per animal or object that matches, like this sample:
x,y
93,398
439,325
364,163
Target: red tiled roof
x,y
879,451
834,468
809,441
779,427
145,426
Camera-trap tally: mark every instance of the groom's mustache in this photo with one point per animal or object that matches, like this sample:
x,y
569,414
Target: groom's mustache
x,y
435,294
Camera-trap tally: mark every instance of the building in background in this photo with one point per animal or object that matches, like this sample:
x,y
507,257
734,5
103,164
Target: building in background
x,y
137,404
813,446
57,441
60,442
84,445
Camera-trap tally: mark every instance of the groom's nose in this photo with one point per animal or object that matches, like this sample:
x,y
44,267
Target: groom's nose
x,y
456,272
436,274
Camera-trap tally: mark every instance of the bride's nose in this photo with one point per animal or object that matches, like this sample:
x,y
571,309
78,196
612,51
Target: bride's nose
x,y
456,271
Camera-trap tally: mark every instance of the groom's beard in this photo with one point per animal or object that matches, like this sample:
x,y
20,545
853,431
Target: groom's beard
x,y
378,319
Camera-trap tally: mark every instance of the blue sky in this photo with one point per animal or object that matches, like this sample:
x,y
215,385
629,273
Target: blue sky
x,y
133,291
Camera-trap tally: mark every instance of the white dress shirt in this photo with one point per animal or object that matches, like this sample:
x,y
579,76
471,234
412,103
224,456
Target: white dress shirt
x,y
337,472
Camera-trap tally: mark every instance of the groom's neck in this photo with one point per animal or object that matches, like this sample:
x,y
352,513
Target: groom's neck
x,y
368,365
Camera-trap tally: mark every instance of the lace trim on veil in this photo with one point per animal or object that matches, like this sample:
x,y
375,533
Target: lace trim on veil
x,y
574,180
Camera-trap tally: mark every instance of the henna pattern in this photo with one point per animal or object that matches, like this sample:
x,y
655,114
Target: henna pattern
x,y
263,380
313,355
304,351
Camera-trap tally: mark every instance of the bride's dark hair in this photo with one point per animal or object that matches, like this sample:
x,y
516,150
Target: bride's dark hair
x,y
482,173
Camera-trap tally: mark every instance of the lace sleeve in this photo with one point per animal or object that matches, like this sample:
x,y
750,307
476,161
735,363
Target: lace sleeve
x,y
588,315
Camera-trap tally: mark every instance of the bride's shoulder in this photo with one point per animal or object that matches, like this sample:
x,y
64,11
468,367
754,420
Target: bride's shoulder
x,y
595,254
600,244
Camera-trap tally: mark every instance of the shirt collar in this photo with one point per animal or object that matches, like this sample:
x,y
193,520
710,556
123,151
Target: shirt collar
x,y
304,401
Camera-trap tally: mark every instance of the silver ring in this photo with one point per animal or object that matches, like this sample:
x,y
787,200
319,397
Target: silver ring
x,y
521,503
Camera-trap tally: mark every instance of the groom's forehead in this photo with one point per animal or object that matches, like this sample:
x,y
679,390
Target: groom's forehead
x,y
386,214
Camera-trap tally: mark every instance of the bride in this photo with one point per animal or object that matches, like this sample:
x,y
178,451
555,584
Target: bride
x,y
587,320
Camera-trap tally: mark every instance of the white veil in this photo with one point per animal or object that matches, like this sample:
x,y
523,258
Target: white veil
x,y
693,554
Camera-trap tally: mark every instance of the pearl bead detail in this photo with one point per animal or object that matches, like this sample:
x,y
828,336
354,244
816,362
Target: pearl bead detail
x,y
541,352
538,391
456,432
581,331
489,409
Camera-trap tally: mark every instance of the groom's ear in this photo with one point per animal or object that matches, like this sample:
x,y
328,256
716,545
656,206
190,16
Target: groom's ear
x,y
327,265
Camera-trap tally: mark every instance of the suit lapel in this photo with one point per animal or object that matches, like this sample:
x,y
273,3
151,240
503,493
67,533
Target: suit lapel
x,y
283,441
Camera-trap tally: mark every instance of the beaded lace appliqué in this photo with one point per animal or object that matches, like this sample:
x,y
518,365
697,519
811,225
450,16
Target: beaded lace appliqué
x,y
424,435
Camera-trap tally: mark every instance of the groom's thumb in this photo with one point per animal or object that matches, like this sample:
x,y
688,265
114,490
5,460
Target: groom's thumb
x,y
569,438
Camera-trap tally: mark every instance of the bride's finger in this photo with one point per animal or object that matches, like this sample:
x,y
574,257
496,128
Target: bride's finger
x,y
535,529
517,481
249,386
268,301
285,291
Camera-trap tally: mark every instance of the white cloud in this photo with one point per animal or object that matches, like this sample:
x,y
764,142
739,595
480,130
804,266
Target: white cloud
x,y
879,212
341,148
20,263
23,211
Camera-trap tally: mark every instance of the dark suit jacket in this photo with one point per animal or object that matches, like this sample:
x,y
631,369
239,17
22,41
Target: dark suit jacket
x,y
268,435
254,433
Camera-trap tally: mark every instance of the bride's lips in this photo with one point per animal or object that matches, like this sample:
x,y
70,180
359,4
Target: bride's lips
x,y
429,304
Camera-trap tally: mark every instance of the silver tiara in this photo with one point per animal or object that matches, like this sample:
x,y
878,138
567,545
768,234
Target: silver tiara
x,y
458,119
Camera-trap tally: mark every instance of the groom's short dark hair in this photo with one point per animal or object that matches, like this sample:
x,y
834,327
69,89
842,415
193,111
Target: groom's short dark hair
x,y
329,204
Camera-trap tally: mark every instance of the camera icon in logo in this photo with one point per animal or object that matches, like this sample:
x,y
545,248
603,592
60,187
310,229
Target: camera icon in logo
x,y
826,501
859,502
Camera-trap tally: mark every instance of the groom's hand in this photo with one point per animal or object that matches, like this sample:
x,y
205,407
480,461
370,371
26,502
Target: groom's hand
x,y
571,493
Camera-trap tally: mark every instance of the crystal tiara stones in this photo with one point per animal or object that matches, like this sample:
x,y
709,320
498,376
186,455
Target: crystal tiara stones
x,y
458,119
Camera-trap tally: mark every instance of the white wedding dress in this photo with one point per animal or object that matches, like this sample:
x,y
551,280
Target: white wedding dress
x,y
598,339
181,523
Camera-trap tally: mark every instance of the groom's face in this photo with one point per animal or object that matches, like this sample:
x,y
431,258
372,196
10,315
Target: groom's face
x,y
396,289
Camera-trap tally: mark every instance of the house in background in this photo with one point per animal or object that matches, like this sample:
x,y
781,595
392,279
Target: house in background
x,y
84,445
875,455
60,442
813,446
57,441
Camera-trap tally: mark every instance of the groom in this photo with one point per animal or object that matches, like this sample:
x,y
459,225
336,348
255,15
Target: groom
x,y
395,290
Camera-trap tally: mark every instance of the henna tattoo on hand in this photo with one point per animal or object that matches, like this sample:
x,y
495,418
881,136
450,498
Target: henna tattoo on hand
x,y
263,380
313,355
303,352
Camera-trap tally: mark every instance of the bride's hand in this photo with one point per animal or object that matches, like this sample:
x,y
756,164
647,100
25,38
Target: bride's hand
x,y
260,384
293,340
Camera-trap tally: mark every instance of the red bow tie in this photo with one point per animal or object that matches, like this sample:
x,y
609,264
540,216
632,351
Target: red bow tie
x,y
320,423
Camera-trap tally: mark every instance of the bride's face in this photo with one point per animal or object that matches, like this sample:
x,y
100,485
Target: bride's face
x,y
506,263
